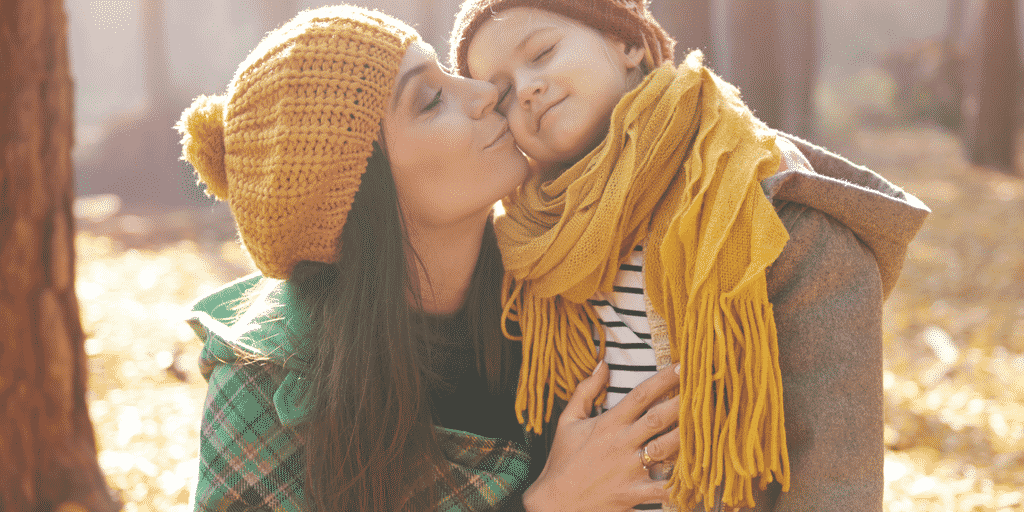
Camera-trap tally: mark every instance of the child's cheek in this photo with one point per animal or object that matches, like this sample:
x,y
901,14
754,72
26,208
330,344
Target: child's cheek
x,y
517,124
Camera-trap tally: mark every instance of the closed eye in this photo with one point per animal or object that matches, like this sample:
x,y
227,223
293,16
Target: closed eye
x,y
434,102
543,53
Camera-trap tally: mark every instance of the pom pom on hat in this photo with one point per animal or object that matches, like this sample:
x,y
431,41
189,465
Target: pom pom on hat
x,y
202,143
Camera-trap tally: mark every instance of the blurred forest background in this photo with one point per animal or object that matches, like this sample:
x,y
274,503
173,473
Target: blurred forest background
x,y
925,92
826,67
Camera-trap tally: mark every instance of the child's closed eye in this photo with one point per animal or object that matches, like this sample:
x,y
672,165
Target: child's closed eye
x,y
544,53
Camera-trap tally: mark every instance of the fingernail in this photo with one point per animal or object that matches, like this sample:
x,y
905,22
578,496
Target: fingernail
x,y
677,368
598,366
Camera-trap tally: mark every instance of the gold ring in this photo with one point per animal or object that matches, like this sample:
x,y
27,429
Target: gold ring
x,y
645,459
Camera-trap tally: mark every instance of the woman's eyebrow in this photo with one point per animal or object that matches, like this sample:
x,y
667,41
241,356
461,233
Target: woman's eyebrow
x,y
404,80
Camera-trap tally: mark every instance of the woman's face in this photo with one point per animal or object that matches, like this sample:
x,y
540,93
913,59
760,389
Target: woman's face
x,y
452,155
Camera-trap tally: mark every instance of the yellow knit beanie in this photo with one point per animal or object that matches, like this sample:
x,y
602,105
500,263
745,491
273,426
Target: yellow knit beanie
x,y
288,143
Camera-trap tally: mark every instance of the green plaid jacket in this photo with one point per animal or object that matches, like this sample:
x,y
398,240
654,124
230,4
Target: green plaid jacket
x,y
251,453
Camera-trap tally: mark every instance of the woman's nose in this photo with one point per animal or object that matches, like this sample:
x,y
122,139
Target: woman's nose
x,y
484,97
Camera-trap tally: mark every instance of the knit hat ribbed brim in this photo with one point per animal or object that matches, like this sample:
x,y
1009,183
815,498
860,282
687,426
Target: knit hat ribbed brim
x,y
628,20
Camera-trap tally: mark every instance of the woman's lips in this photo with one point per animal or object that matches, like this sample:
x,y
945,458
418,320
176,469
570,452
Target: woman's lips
x,y
501,136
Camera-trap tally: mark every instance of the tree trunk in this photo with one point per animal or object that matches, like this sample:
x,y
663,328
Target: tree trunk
x,y
948,83
954,21
156,69
756,50
799,37
689,23
47,446
992,89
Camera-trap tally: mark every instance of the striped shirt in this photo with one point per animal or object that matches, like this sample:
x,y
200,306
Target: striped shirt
x,y
623,317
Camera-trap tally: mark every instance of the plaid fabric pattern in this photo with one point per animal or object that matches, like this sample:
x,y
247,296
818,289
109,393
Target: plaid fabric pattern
x,y
248,459
252,460
482,473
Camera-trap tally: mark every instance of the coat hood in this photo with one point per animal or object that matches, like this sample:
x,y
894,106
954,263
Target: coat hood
x,y
253,320
883,216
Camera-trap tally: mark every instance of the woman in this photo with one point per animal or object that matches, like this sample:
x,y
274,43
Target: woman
x,y
365,369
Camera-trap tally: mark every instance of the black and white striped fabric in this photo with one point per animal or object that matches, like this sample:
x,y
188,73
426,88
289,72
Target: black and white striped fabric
x,y
623,317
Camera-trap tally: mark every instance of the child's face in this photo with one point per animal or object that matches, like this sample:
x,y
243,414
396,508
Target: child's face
x,y
559,80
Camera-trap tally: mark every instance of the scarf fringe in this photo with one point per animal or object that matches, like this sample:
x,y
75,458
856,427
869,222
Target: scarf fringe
x,y
730,410
557,362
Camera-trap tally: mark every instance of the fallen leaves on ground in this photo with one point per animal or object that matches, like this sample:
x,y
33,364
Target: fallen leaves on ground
x,y
954,331
954,336
145,392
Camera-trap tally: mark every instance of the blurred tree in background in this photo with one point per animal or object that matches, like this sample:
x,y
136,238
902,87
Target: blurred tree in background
x,y
992,88
689,22
967,79
800,39
929,75
773,48
756,66
47,445
137,159
138,156
793,60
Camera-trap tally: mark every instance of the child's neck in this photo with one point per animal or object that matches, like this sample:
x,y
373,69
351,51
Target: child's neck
x,y
549,172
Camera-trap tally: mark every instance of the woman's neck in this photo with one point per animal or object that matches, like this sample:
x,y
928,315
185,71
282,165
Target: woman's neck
x,y
447,258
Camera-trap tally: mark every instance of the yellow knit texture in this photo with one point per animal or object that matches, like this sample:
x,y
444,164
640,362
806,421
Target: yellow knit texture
x,y
712,234
299,121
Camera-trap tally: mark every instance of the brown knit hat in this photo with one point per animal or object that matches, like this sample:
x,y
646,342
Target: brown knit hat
x,y
629,20
288,143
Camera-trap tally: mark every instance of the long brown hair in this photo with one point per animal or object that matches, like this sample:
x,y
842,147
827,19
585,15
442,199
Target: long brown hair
x,y
368,436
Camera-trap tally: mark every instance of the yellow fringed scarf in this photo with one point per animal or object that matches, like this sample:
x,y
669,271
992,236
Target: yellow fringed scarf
x,y
713,232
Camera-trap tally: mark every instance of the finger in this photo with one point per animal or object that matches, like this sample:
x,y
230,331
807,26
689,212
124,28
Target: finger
x,y
657,419
648,392
651,491
581,403
664,447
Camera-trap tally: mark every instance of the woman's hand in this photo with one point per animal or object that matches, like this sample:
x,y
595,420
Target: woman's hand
x,y
594,464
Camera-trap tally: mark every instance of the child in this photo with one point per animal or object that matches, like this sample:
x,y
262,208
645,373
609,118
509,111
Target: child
x,y
667,223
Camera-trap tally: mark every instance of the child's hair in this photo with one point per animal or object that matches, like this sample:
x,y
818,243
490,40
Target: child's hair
x,y
628,20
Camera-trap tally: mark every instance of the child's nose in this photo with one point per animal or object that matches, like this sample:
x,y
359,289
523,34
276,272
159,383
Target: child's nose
x,y
530,87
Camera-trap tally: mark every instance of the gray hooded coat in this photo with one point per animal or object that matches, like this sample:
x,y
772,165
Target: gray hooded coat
x,y
849,229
